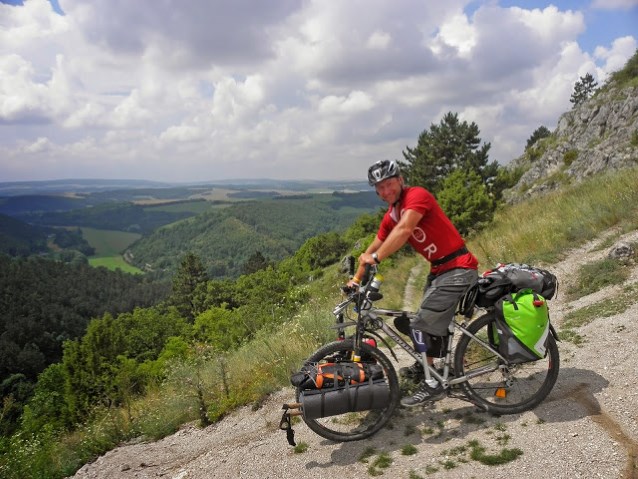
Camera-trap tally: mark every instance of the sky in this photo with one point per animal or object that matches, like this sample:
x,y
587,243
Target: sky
x,y
208,90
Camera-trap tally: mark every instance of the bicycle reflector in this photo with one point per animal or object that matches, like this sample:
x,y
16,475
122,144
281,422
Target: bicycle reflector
x,y
500,393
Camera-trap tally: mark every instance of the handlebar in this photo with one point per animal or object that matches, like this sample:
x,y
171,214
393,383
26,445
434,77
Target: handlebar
x,y
362,294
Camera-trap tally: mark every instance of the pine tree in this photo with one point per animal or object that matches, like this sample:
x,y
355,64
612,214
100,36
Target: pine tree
x,y
583,89
447,147
189,276
540,133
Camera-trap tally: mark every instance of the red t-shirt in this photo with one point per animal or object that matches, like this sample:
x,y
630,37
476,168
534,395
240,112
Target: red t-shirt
x,y
434,236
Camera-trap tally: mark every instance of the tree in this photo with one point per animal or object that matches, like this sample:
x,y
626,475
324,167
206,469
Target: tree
x,y
447,147
190,275
321,250
540,133
47,407
583,89
364,225
14,391
255,262
90,367
219,327
466,201
147,330
215,293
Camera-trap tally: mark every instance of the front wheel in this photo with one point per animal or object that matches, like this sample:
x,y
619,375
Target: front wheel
x,y
497,387
353,426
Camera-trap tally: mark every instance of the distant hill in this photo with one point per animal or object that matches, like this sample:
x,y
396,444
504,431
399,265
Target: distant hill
x,y
225,238
90,186
223,222
121,216
23,206
23,188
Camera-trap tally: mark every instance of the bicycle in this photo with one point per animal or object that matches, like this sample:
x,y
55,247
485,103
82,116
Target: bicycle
x,y
474,367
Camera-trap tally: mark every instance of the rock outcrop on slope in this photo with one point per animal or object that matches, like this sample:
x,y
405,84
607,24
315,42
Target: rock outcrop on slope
x,y
597,135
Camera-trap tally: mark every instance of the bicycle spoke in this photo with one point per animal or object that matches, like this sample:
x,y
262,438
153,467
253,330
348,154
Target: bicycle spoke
x,y
350,425
499,388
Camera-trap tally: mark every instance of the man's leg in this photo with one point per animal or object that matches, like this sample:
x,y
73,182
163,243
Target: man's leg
x,y
437,310
435,346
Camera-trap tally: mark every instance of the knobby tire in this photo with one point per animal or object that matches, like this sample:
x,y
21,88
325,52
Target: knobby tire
x,y
506,389
354,426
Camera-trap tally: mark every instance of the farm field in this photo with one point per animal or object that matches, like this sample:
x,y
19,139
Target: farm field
x,y
114,263
109,246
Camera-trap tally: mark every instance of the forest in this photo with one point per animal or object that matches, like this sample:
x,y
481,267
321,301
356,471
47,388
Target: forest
x,y
225,238
45,303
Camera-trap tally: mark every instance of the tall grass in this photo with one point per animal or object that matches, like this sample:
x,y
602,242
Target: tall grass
x,y
206,389
541,230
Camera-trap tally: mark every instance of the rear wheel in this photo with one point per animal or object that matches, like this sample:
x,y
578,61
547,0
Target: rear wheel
x,y
352,426
498,387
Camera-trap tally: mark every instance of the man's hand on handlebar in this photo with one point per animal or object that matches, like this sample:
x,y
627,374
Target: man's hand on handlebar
x,y
350,288
355,282
365,259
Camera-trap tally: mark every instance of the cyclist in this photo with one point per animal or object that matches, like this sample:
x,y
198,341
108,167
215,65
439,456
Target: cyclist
x,y
415,217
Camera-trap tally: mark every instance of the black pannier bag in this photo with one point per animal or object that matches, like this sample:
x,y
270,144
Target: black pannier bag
x,y
337,388
512,277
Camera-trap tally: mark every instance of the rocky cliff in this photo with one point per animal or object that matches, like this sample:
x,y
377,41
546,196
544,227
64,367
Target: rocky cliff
x,y
599,134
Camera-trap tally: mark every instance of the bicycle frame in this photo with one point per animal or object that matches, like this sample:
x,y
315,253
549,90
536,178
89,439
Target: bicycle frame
x,y
375,316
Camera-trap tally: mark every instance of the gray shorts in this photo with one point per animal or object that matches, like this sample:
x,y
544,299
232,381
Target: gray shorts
x,y
440,299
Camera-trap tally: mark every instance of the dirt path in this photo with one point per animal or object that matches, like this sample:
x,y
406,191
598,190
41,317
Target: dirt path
x,y
588,426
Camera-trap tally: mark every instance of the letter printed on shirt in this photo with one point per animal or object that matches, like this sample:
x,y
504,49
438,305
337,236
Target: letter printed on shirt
x,y
430,249
419,235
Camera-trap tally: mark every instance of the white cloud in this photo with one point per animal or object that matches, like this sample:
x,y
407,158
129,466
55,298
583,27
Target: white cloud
x,y
456,32
379,40
181,133
21,25
356,101
551,24
616,56
38,146
210,89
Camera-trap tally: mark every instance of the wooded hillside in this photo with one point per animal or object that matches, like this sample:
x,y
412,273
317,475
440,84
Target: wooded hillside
x,y
226,238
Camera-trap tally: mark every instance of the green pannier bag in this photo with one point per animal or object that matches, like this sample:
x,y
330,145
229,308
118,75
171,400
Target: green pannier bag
x,y
522,326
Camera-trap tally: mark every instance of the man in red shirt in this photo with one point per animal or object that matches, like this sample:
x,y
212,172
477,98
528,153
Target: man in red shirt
x,y
415,217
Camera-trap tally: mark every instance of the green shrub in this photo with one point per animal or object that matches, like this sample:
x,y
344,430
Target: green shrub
x,y
597,275
569,157
409,450
301,447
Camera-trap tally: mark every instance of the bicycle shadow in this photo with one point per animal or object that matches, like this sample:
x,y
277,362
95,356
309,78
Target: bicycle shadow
x,y
574,385
437,423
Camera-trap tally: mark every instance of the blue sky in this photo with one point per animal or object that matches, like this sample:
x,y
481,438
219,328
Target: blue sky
x,y
602,25
196,90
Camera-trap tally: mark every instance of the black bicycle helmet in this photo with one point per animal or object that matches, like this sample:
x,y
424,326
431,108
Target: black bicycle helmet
x,y
382,170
